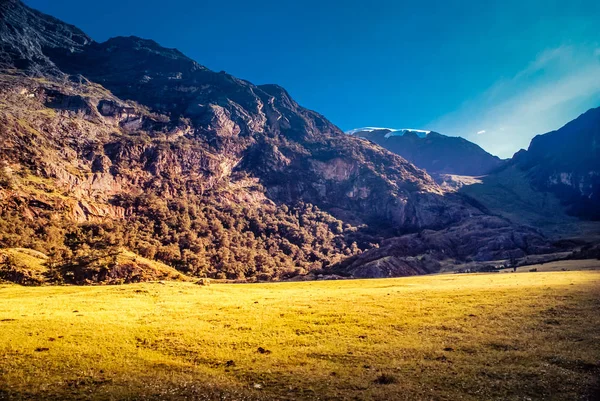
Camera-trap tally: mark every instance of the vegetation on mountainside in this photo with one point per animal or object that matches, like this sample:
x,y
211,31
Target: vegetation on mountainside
x,y
222,239
496,336
202,236
509,193
129,145
23,266
32,268
204,222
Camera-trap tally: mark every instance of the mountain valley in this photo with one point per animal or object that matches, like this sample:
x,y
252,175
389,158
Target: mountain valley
x,y
126,146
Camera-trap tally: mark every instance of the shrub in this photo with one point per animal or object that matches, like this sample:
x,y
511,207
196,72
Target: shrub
x,y
386,379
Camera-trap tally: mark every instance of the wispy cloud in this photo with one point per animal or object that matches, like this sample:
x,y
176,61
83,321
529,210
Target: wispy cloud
x,y
554,88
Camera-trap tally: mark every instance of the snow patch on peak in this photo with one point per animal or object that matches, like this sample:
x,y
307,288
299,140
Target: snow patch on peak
x,y
368,129
392,131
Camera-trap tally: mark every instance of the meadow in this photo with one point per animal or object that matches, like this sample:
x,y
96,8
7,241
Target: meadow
x,y
502,336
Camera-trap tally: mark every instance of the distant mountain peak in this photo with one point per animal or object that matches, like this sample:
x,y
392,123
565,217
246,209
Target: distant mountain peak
x,y
390,131
432,151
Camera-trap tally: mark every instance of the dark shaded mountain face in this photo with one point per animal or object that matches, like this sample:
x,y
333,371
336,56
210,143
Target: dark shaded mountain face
x,y
436,153
567,163
26,35
135,145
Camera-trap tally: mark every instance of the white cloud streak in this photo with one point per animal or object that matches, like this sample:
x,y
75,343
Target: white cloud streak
x,y
556,87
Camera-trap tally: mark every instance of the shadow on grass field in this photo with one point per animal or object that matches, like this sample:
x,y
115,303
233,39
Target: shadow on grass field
x,y
524,336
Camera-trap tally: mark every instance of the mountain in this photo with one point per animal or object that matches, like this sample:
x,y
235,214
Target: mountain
x,y
129,145
566,162
553,186
26,35
436,153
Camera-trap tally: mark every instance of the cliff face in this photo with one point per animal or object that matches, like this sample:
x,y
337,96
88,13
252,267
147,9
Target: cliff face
x,y
127,131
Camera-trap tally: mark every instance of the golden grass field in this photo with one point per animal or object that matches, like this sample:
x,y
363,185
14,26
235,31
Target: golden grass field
x,y
503,336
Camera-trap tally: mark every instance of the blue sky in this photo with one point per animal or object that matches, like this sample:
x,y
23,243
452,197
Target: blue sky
x,y
494,72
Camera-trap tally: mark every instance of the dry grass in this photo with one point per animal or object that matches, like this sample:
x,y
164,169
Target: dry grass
x,y
30,265
152,268
33,259
43,188
525,336
560,265
33,265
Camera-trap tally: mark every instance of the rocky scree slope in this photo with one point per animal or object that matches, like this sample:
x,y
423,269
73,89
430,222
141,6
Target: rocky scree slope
x,y
206,172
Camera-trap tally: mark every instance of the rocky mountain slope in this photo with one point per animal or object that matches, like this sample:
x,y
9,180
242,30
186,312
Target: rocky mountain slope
x,y
26,35
129,144
553,185
434,152
566,162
